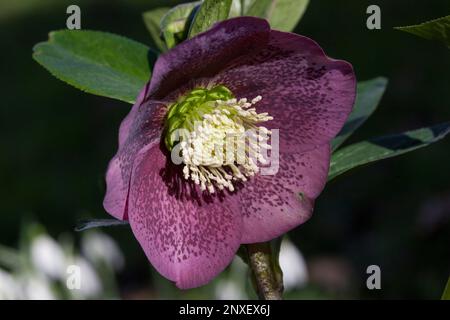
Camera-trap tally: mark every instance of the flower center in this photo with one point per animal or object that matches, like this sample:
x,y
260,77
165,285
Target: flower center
x,y
220,140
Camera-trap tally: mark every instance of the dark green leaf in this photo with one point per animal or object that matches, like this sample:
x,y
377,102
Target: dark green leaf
x,y
96,223
152,20
240,7
259,8
373,150
283,15
97,62
243,254
368,96
175,24
275,244
210,12
438,29
446,293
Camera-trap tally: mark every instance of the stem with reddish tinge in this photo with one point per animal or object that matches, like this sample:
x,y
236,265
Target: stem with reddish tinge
x,y
268,283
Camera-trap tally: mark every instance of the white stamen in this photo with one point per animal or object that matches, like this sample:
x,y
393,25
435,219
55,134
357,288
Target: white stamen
x,y
217,152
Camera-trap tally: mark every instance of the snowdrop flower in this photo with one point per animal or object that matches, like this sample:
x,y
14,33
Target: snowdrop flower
x,y
48,257
99,247
295,272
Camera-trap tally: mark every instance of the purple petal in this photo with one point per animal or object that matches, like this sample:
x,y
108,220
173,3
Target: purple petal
x,y
141,129
206,54
116,190
188,238
183,66
309,95
125,126
272,204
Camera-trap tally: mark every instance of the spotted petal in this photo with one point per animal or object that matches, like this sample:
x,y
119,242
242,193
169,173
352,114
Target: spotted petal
x,y
188,237
205,55
308,94
274,204
128,121
139,130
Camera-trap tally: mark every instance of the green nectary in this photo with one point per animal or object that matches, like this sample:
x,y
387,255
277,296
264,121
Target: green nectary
x,y
190,108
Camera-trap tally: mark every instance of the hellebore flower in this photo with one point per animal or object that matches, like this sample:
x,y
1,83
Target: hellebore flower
x,y
190,218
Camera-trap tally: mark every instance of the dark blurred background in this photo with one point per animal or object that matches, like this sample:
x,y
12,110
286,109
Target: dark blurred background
x,y
56,142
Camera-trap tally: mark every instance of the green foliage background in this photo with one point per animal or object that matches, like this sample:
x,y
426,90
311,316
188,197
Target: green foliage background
x,y
56,143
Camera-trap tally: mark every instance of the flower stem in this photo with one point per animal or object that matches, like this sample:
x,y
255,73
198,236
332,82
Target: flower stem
x,y
267,276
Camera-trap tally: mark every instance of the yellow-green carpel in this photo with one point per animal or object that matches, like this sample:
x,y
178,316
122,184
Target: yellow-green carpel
x,y
190,108
219,137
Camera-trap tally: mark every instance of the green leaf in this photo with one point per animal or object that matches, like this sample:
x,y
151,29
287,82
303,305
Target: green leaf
x,y
96,223
152,20
210,12
240,7
176,22
283,15
446,293
373,150
368,97
97,62
259,8
438,29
